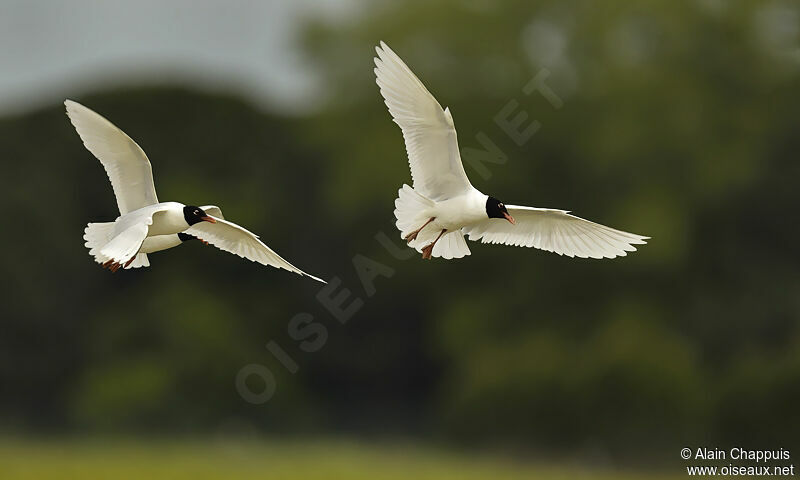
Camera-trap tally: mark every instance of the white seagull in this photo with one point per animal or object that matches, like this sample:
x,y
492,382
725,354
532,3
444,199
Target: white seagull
x,y
146,225
434,215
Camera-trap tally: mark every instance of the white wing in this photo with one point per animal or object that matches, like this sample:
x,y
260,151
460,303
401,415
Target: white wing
x,y
555,231
234,239
213,210
125,245
129,233
126,164
429,133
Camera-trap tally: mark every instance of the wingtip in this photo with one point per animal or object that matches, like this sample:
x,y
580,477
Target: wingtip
x,y
71,104
383,49
72,107
315,278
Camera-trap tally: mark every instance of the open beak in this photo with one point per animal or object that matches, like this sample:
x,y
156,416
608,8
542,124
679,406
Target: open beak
x,y
509,218
208,219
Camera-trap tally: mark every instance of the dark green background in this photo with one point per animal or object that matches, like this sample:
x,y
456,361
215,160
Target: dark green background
x,y
678,122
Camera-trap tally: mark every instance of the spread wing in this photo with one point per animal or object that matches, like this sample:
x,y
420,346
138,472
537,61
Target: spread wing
x,y
125,163
555,231
234,239
429,132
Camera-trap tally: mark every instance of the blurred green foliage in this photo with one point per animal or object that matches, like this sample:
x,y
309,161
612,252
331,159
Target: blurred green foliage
x,y
678,121
310,459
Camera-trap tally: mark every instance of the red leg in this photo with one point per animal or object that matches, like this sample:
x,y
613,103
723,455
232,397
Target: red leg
x,y
427,252
413,235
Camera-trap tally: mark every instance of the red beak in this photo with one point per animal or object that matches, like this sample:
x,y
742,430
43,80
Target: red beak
x,y
208,219
509,218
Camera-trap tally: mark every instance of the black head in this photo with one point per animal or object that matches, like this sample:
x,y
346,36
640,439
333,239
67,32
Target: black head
x,y
194,215
496,209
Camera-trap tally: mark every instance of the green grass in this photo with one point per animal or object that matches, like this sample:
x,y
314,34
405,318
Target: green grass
x,y
196,460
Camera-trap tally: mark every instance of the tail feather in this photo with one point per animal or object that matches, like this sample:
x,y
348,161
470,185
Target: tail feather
x,y
451,245
140,261
97,235
410,210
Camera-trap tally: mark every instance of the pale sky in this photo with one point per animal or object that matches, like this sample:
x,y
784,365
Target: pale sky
x,y
53,49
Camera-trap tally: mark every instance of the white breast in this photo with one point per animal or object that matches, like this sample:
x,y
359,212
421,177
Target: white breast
x,y
456,212
159,242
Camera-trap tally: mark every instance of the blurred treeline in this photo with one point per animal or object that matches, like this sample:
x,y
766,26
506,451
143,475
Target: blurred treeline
x,y
679,121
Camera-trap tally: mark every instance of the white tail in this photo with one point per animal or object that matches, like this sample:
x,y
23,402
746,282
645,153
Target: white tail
x,y
140,261
410,210
97,235
451,245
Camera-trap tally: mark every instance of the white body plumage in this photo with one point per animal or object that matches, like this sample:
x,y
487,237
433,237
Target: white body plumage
x,y
454,213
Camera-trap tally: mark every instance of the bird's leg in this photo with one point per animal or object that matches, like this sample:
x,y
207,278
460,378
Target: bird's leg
x,y
130,261
108,264
428,251
413,235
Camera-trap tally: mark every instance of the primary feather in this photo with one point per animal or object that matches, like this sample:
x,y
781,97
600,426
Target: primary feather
x,y
429,133
555,231
232,238
125,162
